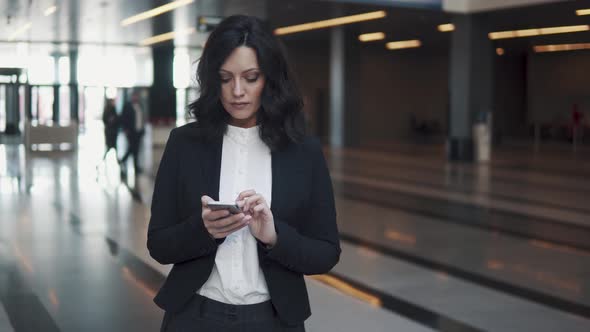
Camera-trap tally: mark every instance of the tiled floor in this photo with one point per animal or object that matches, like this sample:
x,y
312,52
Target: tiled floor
x,y
427,245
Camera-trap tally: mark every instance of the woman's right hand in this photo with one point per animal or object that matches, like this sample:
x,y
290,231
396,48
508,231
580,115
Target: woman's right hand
x,y
221,223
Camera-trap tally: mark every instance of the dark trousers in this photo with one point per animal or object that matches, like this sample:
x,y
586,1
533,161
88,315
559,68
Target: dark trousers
x,y
205,315
133,145
110,136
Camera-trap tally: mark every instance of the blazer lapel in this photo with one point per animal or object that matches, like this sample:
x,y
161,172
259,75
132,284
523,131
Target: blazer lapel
x,y
278,160
212,167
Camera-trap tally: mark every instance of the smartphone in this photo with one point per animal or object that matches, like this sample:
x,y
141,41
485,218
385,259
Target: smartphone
x,y
231,207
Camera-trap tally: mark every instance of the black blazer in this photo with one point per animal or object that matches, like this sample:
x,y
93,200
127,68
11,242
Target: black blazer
x,y
302,205
128,119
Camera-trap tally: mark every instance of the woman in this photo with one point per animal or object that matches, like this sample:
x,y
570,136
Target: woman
x,y
242,271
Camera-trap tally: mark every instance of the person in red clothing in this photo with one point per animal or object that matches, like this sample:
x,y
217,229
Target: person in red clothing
x,y
576,121
576,116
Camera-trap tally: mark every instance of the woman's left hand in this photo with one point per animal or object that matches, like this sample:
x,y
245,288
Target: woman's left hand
x,y
262,225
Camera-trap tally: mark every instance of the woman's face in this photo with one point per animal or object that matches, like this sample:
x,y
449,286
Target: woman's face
x,y
242,83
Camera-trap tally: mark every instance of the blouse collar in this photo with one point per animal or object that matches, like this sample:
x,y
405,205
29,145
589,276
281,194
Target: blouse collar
x,y
242,135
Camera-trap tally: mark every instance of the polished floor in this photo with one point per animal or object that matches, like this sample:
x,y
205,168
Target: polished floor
x,y
427,245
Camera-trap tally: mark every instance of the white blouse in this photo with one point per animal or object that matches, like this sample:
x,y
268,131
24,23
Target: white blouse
x,y
237,277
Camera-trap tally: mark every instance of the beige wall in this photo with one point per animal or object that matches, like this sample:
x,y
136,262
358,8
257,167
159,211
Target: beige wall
x,y
396,85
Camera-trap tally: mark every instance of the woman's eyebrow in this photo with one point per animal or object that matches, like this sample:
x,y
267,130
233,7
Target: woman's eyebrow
x,y
245,71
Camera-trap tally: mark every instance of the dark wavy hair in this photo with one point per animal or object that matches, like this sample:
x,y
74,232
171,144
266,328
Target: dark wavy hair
x,y
280,117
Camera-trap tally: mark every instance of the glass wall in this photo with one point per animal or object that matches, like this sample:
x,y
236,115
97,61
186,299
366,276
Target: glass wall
x,y
42,104
41,70
114,66
98,68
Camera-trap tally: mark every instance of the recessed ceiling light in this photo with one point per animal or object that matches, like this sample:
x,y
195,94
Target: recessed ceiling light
x,y
367,37
20,31
561,47
398,45
155,12
50,10
331,22
538,32
167,36
446,27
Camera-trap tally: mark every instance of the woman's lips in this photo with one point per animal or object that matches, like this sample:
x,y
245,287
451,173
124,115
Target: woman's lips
x,y
239,106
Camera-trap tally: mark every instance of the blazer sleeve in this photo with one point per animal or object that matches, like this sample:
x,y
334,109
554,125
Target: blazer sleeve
x,y
171,240
314,247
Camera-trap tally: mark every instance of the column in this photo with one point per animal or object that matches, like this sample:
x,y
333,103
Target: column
x,y
352,77
12,105
345,110
162,99
470,83
74,97
337,70
55,116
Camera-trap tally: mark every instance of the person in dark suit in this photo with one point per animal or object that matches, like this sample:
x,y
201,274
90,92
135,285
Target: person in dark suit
x,y
242,271
133,124
111,126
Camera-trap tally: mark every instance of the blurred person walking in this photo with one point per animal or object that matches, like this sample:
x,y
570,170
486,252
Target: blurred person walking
x,y
110,120
133,124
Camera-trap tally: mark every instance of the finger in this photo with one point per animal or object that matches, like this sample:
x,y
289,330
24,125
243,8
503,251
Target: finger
x,y
245,194
259,207
214,227
238,224
210,215
252,201
227,221
224,231
240,203
248,202
205,200
218,235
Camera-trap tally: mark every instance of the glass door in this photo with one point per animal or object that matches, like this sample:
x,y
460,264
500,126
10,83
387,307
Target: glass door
x,y
2,108
12,100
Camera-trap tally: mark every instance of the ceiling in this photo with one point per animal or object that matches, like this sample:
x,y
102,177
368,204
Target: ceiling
x,y
98,22
86,21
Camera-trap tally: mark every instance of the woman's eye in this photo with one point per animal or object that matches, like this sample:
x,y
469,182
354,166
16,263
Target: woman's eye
x,y
225,79
252,79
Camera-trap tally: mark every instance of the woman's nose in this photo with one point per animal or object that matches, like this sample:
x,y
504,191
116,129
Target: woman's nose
x,y
238,90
